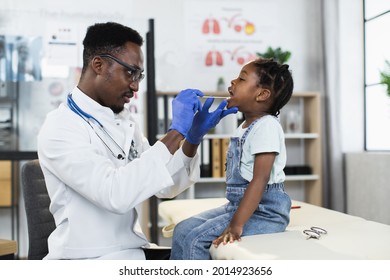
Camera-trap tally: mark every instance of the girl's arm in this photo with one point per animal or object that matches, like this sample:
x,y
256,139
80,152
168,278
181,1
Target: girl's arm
x,y
261,172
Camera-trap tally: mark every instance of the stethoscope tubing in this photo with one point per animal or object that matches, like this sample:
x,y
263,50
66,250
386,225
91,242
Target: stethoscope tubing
x,y
86,117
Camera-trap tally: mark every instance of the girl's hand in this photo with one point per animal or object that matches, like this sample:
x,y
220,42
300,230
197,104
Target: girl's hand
x,y
229,235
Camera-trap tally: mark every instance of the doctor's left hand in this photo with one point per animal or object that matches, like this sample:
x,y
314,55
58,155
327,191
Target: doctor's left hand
x,y
184,106
205,120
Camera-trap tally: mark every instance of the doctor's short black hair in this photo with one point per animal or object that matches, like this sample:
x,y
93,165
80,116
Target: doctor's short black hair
x,y
109,37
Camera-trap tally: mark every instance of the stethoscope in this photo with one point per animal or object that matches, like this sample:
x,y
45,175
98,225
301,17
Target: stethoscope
x,y
87,118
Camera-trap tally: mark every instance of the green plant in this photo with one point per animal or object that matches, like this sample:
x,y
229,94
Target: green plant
x,y
385,77
278,54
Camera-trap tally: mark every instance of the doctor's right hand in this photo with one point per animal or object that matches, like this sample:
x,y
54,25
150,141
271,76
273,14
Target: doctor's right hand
x,y
184,107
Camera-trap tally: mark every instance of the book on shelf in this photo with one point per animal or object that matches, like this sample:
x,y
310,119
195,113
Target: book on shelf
x,y
213,157
164,113
205,166
168,116
161,118
216,157
224,148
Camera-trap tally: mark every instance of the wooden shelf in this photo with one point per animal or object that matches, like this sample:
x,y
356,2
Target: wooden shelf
x,y
8,247
307,140
308,103
301,135
288,178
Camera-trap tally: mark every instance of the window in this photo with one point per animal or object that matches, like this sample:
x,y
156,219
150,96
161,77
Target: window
x,y
376,53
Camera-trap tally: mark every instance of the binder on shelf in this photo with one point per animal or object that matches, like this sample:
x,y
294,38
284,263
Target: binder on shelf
x,y
205,167
224,148
169,111
161,119
216,157
5,184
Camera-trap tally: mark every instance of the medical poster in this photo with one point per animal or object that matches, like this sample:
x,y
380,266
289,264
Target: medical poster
x,y
62,44
227,34
214,41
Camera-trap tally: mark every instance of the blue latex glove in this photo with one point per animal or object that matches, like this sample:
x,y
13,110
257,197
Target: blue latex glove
x,y
204,120
184,107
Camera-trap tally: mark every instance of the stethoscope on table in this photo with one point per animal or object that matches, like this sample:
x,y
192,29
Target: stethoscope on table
x,y
89,119
314,232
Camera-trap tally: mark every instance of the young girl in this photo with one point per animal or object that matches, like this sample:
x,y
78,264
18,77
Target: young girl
x,y
254,171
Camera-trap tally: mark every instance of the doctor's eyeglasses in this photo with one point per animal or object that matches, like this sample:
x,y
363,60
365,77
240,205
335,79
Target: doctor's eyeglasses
x,y
134,72
314,232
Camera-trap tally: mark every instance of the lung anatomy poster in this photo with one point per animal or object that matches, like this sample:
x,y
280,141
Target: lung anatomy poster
x,y
227,33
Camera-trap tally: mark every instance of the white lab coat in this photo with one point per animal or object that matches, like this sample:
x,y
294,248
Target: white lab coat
x,y
94,195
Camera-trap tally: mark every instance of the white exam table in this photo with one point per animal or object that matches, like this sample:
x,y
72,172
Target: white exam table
x,y
348,237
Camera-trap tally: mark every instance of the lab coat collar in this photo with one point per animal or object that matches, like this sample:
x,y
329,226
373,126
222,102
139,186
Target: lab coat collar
x,y
90,106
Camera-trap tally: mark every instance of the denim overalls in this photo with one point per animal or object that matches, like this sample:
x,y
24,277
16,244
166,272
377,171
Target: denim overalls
x,y
192,237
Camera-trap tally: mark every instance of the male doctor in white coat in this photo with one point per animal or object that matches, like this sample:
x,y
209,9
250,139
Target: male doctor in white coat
x,y
97,164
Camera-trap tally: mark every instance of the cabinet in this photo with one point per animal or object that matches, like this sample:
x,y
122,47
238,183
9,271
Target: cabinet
x,y
303,143
304,148
7,122
300,119
8,134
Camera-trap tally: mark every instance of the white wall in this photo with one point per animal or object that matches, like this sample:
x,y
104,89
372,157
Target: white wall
x,y
299,30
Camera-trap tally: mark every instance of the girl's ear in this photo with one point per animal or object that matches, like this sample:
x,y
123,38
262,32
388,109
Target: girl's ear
x,y
263,94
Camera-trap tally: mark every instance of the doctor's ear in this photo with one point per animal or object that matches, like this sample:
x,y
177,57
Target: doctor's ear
x,y
263,94
97,64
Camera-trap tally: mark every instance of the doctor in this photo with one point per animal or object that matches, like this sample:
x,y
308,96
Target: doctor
x,y
97,164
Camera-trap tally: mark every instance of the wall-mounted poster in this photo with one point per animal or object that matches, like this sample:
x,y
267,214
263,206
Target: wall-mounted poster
x,y
215,40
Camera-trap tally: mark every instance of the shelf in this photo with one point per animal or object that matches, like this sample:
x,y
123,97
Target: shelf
x,y
212,180
310,177
308,152
301,135
302,177
287,136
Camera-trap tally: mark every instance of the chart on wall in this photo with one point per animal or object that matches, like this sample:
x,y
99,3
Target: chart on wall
x,y
221,36
215,40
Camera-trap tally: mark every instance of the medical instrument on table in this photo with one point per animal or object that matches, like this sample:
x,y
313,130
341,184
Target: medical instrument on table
x,y
133,153
314,232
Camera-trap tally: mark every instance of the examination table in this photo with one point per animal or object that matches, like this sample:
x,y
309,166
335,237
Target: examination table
x,y
348,237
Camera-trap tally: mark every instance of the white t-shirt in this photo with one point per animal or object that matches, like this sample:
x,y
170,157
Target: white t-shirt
x,y
266,136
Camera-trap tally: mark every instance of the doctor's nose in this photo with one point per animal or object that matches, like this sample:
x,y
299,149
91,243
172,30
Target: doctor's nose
x,y
134,86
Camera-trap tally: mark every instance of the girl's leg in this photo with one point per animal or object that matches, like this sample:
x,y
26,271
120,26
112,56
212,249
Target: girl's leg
x,y
198,241
192,237
179,233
